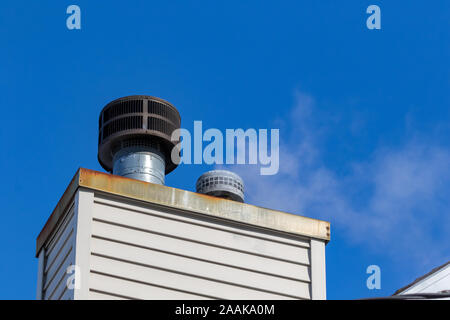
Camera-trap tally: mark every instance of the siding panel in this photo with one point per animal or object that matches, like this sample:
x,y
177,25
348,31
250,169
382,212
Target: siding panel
x,y
200,219
134,290
201,234
95,295
59,240
58,285
198,268
175,281
59,264
59,254
129,248
198,251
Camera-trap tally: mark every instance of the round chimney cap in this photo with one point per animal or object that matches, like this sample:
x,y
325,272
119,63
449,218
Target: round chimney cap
x,y
221,183
137,121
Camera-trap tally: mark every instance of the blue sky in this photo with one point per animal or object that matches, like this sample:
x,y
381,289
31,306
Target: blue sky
x,y
363,115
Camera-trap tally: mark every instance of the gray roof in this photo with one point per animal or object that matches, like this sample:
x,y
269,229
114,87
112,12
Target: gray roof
x,y
421,278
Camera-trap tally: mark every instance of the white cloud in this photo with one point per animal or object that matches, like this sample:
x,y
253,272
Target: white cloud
x,y
398,202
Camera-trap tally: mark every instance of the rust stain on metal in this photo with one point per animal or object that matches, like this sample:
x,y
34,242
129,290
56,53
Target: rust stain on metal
x,y
187,201
212,206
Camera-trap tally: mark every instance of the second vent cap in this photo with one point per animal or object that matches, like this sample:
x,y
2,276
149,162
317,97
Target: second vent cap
x,y
221,183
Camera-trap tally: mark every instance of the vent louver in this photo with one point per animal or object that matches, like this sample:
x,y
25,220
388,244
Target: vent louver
x,y
139,122
221,183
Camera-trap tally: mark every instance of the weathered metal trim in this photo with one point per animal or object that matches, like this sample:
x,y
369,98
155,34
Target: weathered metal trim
x,y
186,200
200,203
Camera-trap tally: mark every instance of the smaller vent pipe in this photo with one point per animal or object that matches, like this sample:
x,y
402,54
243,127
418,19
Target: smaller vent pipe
x,y
222,184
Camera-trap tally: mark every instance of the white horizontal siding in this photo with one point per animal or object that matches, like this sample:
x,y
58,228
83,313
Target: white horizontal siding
x,y
199,251
58,288
174,281
224,229
59,238
135,250
96,295
164,250
192,231
59,254
113,287
199,269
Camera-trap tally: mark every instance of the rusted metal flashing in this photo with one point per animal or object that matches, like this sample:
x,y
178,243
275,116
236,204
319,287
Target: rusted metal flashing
x,y
187,201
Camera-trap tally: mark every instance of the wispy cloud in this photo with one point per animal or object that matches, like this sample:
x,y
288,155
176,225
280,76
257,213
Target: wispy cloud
x,y
396,202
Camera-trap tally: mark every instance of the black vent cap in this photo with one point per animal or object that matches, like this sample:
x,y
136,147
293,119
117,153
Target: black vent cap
x,y
137,120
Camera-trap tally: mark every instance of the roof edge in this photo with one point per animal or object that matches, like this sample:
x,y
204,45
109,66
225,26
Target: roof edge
x,y
419,279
